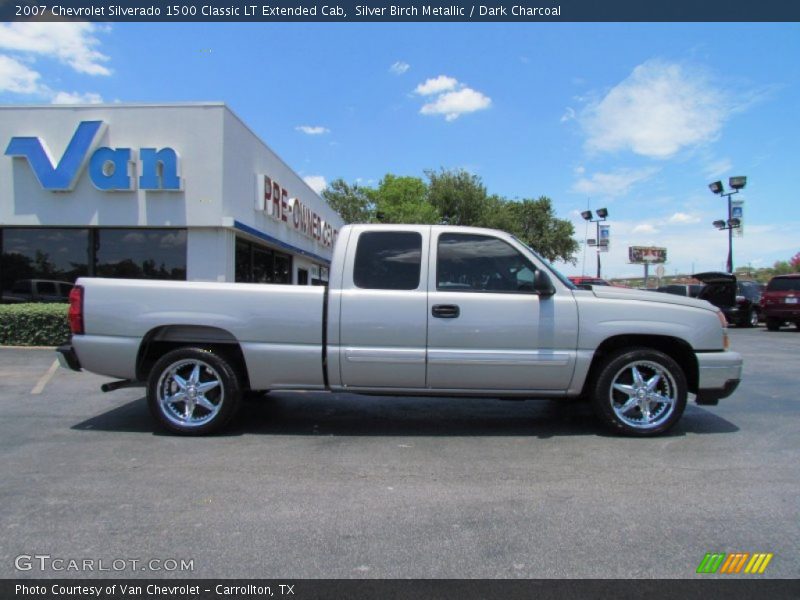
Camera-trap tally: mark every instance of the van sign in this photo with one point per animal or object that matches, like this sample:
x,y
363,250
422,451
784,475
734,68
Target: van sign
x,y
110,169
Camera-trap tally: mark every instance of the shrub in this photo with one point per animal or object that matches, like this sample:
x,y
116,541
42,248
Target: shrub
x,y
33,324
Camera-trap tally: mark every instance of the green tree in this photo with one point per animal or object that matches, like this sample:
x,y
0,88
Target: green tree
x,y
499,214
535,223
458,196
781,267
455,197
352,202
403,200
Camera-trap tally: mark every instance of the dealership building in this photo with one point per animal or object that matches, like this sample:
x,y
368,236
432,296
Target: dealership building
x,y
151,191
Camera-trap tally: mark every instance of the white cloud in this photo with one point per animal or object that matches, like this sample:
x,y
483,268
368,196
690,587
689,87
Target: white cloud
x,y
718,168
683,218
76,98
454,104
436,85
312,129
72,43
645,228
316,182
400,67
453,98
17,77
658,110
569,115
613,184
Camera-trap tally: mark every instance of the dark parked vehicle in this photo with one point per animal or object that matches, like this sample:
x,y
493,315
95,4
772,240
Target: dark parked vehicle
x,y
692,290
740,301
781,301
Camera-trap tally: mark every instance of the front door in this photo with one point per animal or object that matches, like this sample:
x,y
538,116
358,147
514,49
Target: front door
x,y
487,328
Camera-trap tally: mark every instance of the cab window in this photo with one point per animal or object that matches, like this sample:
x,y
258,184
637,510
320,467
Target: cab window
x,y
479,263
388,260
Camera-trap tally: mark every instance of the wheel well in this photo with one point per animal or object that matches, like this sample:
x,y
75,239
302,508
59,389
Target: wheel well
x,y
157,342
680,351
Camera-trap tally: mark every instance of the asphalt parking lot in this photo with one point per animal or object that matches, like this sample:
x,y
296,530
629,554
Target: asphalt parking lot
x,y
339,486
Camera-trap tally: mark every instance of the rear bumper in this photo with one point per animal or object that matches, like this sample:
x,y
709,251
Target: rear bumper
x,y
719,374
784,312
67,357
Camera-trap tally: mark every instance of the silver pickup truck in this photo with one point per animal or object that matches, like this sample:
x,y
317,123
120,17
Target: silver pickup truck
x,y
409,310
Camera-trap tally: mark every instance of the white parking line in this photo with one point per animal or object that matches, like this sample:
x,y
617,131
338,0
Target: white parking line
x,y
45,379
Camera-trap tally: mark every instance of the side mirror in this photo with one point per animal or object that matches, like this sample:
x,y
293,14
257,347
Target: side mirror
x,y
542,283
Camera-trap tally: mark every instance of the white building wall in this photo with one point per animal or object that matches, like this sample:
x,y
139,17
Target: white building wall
x,y
220,159
194,131
246,158
210,254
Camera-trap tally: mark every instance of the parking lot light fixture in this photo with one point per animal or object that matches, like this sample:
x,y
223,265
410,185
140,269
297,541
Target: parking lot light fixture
x,y
602,215
736,183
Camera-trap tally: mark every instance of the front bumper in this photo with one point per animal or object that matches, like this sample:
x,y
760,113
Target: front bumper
x,y
67,357
719,374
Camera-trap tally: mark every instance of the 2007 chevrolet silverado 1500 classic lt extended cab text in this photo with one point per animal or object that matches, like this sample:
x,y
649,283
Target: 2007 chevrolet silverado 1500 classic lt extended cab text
x,y
409,310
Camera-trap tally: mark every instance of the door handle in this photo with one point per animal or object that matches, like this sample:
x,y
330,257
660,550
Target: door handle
x,y
446,311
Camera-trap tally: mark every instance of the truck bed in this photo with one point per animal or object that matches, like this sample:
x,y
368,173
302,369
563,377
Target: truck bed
x,y
278,327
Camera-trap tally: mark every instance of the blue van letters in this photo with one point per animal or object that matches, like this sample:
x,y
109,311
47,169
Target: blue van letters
x,y
108,167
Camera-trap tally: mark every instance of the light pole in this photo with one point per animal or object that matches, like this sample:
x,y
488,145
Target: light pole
x,y
602,215
736,184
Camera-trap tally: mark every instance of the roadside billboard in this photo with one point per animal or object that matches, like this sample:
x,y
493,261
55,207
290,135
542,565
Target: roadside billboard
x,y
646,254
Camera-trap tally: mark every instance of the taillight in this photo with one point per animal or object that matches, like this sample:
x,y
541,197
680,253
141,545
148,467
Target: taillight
x,y
75,314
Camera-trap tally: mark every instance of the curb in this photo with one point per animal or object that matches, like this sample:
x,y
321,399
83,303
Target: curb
x,y
53,348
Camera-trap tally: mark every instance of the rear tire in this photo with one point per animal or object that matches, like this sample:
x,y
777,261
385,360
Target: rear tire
x,y
192,391
773,324
639,392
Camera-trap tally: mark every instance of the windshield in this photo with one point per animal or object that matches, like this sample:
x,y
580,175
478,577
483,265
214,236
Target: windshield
x,y
553,270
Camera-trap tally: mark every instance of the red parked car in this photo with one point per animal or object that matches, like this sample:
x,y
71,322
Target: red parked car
x,y
582,280
780,302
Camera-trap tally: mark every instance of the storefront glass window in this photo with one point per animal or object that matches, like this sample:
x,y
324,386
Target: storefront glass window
x,y
141,253
40,265
259,264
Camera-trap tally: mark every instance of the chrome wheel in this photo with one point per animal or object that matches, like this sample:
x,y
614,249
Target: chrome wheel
x,y
190,393
643,394
753,318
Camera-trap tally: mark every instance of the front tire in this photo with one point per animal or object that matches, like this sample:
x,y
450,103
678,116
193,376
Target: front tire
x,y
773,324
752,318
639,392
192,391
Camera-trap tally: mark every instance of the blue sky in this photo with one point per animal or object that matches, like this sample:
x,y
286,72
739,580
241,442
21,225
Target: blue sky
x,y
637,117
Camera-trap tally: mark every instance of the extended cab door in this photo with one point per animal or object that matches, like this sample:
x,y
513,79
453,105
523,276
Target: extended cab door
x,y
487,327
383,320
